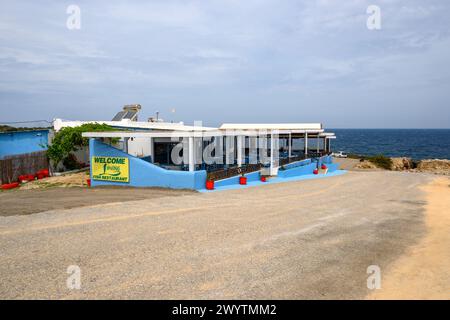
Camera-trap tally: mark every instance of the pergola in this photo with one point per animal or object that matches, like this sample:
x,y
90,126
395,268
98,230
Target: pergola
x,y
241,132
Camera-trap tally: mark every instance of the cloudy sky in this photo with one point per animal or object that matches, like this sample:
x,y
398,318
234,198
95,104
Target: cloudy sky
x,y
229,61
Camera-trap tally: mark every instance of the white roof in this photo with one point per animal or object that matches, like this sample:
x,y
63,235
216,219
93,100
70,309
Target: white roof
x,y
271,126
330,135
58,124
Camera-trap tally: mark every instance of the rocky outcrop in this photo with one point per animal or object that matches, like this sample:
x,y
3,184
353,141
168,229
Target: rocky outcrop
x,y
400,164
434,166
364,164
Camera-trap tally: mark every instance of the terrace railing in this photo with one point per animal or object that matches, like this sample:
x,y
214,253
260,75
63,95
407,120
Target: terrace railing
x,y
284,161
232,171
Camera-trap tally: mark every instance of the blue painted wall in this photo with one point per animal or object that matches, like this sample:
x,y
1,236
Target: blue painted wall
x,y
145,174
252,176
327,159
333,167
297,171
294,169
297,164
13,143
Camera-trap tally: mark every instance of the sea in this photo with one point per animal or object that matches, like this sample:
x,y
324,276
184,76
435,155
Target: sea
x,y
417,144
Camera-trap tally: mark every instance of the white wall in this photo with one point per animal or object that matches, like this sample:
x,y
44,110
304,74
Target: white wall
x,y
140,147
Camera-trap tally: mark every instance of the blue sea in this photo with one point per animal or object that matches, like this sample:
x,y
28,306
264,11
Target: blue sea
x,y
414,143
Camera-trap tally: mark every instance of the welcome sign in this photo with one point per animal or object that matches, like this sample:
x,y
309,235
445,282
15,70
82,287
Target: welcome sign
x,y
114,169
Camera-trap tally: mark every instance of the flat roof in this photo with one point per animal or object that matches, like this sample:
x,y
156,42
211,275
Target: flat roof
x,y
194,133
58,124
271,126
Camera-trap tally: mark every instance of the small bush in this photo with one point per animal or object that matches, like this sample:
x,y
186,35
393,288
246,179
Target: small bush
x,y
71,163
381,161
355,156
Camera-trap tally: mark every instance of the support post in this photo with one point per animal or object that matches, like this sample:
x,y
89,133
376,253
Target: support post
x,y
151,150
290,146
191,154
318,144
271,152
239,151
306,144
125,145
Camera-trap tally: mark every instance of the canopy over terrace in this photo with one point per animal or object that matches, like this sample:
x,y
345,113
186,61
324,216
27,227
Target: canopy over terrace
x,y
242,134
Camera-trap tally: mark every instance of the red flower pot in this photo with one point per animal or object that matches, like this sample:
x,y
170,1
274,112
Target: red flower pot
x,y
88,181
242,180
263,179
30,177
316,171
40,176
209,185
10,185
44,172
323,166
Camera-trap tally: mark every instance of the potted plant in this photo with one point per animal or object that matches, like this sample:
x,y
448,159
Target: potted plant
x,y
243,179
209,184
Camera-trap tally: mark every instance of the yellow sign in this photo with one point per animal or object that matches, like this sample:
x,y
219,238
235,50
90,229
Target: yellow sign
x,y
114,169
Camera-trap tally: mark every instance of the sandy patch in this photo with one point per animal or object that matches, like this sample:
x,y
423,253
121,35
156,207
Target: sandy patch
x,y
423,272
68,180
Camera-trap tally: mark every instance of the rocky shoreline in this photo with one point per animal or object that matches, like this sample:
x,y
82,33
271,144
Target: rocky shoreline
x,y
434,166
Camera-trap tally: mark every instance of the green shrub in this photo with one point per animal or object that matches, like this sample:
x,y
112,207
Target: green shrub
x,y
71,163
355,156
381,161
69,140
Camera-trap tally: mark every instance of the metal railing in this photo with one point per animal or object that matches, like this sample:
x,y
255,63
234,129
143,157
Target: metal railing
x,y
232,171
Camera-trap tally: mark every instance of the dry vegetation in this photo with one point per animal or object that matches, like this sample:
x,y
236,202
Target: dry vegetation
x,y
67,180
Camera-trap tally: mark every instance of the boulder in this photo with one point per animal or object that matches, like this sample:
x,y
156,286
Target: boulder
x,y
400,164
436,166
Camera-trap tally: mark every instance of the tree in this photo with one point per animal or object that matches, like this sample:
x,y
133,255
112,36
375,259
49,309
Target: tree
x,y
69,139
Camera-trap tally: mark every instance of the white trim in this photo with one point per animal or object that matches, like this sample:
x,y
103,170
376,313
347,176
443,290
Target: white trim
x,y
271,126
177,133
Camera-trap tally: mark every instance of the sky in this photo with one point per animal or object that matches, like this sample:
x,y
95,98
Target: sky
x,y
229,61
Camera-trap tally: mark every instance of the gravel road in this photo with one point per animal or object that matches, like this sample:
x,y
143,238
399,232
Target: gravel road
x,y
296,240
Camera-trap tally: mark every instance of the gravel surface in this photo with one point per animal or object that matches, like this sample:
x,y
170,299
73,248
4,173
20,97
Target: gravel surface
x,y
296,240
23,202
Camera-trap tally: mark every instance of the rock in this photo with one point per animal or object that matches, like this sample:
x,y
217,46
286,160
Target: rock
x,y
366,165
400,164
436,166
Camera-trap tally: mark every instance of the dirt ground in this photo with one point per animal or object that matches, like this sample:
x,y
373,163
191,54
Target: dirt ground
x,y
352,164
33,200
311,239
423,272
66,180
